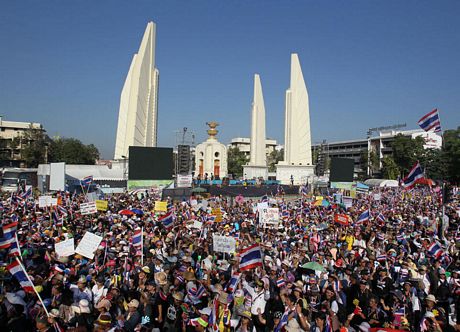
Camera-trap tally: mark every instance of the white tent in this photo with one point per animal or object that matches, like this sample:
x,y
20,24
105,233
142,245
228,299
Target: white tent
x,y
381,183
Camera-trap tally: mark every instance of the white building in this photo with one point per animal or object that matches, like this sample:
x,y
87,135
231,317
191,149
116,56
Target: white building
x,y
244,145
137,118
11,144
211,156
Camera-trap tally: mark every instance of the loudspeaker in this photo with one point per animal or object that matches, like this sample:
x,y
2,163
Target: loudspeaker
x,y
183,159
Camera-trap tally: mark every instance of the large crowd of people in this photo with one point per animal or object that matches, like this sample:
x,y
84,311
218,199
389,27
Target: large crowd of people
x,y
396,268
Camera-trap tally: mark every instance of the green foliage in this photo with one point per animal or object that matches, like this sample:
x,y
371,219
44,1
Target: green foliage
x,y
370,159
34,142
273,158
73,151
452,154
390,169
406,151
236,160
433,162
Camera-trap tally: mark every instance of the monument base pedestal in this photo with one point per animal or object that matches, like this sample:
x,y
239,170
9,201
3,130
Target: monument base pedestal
x,y
251,172
299,173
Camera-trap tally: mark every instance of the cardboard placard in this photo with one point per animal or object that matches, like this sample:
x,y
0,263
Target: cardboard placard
x,y
88,208
226,244
88,245
44,201
218,213
65,248
269,216
161,206
101,205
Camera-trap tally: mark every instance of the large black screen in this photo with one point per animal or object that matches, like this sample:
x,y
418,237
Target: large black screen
x,y
342,170
150,163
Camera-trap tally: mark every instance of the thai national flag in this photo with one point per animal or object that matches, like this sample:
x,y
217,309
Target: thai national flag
x,y
280,282
251,257
167,220
56,219
264,199
9,235
14,250
435,250
86,181
382,258
20,274
411,179
283,321
62,210
137,238
26,193
233,283
363,217
431,121
211,218
381,217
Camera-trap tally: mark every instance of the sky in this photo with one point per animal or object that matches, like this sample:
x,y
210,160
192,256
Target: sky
x,y
366,64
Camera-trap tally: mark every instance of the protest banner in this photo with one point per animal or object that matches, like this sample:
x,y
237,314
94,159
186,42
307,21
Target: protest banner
x,y
196,224
347,201
269,216
161,206
377,197
342,219
184,181
44,201
88,245
101,205
88,208
263,205
226,244
65,248
218,213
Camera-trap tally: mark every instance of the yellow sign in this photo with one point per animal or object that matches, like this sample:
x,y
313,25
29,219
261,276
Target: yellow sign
x,y
161,206
218,213
353,193
101,205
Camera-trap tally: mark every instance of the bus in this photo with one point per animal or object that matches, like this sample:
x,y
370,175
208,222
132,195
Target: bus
x,y
13,179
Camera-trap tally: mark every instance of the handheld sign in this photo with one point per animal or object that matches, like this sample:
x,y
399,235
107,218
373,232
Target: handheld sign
x,y
101,205
161,206
88,208
226,244
65,248
88,245
269,216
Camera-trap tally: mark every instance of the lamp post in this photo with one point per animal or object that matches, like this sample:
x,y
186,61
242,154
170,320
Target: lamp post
x,y
124,168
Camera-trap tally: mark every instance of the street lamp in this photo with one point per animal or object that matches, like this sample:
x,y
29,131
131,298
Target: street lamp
x,y
124,167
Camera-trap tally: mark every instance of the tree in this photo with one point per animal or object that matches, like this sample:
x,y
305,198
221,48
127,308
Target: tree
x,y
370,160
34,141
236,160
274,158
73,151
452,154
390,169
406,152
434,164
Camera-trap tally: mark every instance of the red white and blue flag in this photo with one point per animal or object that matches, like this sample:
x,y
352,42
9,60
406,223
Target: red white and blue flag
x,y
435,250
26,193
9,235
283,321
167,220
86,181
280,282
431,121
137,238
233,283
415,174
381,217
14,249
363,217
20,274
251,257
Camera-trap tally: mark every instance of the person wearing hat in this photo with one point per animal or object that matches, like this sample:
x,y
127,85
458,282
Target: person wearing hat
x,y
99,290
174,313
132,316
245,324
81,291
83,317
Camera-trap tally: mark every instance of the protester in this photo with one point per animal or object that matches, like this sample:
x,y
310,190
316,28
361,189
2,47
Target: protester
x,y
392,265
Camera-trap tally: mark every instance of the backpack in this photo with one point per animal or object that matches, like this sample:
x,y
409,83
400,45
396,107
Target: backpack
x,y
171,313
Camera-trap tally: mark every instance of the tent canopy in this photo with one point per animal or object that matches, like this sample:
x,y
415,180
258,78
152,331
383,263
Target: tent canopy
x,y
381,183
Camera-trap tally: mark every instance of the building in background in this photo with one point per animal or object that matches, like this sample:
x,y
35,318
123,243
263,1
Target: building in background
x,y
12,143
138,114
211,156
244,145
357,149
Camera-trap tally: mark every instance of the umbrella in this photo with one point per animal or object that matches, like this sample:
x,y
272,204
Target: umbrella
x,y
126,212
137,211
314,266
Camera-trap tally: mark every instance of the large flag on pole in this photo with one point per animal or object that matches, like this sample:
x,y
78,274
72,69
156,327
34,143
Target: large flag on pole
x,y
9,235
86,181
431,121
251,257
415,174
20,274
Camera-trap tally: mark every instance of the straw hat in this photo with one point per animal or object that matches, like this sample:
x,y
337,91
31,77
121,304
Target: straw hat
x,y
104,303
431,298
223,298
84,306
189,276
179,296
246,314
161,278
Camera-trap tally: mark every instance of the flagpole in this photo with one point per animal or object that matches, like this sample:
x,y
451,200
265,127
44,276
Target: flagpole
x,y
17,242
142,246
28,278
